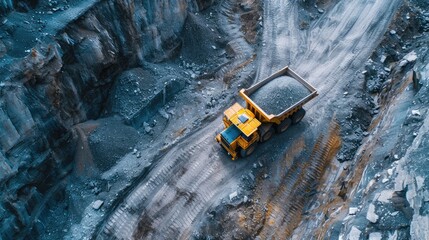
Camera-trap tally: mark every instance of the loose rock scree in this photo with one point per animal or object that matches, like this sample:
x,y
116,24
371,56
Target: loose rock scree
x,y
279,94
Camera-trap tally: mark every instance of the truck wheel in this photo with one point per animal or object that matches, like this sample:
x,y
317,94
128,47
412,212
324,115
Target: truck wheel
x,y
283,125
297,117
267,135
248,151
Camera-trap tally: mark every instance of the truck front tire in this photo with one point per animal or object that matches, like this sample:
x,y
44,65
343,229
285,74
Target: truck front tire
x,y
267,135
284,125
248,151
297,117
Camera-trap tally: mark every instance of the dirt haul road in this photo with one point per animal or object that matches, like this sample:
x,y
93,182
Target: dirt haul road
x,y
197,175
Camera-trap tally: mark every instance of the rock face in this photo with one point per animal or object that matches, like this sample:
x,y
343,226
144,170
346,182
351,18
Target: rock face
x,y
371,215
65,82
412,177
394,186
6,6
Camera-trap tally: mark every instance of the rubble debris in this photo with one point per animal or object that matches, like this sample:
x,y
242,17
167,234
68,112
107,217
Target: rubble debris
x,y
147,128
371,215
163,113
97,204
416,112
375,236
233,195
353,210
410,57
354,234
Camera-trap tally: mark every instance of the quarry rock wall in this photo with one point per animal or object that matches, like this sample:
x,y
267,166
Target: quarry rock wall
x,y
66,81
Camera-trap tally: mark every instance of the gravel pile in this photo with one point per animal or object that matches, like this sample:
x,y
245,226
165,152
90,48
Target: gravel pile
x,y
110,141
279,94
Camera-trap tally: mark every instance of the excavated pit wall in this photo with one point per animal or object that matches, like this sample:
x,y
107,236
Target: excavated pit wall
x,y
7,6
65,82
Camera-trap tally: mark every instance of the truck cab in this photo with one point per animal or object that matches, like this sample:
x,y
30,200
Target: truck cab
x,y
241,131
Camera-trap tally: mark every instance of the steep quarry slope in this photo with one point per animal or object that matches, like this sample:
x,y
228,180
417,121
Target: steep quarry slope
x,y
79,48
390,199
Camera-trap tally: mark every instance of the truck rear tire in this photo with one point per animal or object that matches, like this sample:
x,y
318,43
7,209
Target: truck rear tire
x,y
284,125
297,117
248,151
267,135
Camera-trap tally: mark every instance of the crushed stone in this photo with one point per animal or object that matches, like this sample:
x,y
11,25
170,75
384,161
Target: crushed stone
x,y
279,94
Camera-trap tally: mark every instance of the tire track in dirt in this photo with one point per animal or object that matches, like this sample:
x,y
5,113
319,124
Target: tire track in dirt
x,y
286,205
193,198
331,60
278,41
123,221
243,53
184,184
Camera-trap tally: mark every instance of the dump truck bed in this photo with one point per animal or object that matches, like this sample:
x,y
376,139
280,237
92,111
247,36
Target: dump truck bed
x,y
278,96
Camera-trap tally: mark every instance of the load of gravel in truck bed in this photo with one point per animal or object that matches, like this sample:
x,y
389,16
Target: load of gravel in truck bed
x,y
279,94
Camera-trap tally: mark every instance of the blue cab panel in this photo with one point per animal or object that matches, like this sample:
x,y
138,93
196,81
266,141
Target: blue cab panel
x,y
231,133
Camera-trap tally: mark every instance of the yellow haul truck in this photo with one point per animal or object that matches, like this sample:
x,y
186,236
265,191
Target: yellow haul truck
x,y
272,105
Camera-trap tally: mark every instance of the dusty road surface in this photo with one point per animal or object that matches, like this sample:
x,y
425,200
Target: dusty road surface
x,y
174,197
177,191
